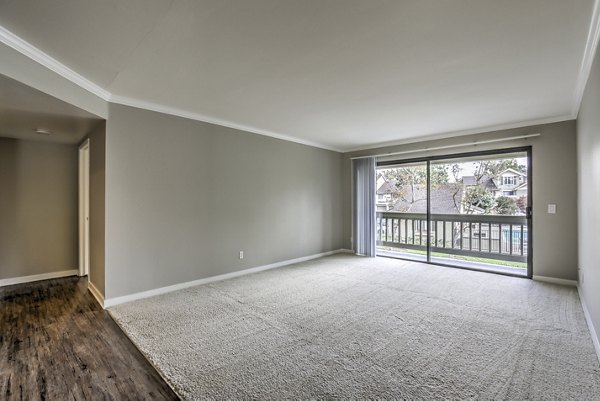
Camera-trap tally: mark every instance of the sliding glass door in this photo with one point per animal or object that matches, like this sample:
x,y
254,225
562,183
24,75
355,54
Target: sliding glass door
x,y
401,225
469,210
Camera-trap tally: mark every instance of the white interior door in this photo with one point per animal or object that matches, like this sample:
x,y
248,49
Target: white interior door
x,y
84,208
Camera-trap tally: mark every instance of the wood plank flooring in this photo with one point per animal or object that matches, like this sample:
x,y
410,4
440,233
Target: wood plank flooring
x,y
56,343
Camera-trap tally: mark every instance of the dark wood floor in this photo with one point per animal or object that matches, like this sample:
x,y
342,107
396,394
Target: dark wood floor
x,y
56,343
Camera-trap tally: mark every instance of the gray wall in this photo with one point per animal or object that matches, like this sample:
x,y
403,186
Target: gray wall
x,y
97,174
554,181
38,207
588,140
184,197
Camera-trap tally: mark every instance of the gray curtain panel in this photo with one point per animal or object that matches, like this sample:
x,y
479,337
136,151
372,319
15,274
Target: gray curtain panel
x,y
364,182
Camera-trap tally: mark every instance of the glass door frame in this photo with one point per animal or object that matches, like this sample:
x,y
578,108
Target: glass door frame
x,y
490,152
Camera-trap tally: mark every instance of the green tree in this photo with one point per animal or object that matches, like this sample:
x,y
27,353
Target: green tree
x,y
506,205
390,174
414,176
401,176
439,175
480,197
492,168
522,204
417,175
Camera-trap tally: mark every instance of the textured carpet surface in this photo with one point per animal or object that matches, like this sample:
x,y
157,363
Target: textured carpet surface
x,y
351,327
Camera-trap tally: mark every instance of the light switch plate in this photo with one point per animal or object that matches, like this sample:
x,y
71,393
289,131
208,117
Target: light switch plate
x,y
551,208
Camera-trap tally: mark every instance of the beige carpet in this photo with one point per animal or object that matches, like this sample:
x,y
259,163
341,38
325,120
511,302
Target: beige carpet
x,y
351,327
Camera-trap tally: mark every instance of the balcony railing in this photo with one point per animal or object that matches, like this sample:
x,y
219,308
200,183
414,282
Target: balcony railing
x,y
484,236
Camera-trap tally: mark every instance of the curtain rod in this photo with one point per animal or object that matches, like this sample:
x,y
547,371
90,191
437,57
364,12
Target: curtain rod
x,y
474,143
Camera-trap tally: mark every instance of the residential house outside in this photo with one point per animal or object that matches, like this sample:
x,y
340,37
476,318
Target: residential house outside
x,y
406,207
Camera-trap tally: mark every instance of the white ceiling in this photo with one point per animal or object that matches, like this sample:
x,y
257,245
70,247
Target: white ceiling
x,y
23,110
343,74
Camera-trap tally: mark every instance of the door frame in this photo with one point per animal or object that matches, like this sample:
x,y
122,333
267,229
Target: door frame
x,y
84,208
489,152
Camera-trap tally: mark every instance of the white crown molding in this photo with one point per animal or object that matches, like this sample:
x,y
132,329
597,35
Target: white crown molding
x,y
54,65
591,46
452,134
159,108
40,57
27,49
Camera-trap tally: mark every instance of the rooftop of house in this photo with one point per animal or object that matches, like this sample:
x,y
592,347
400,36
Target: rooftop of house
x,y
387,187
445,199
513,171
486,180
493,183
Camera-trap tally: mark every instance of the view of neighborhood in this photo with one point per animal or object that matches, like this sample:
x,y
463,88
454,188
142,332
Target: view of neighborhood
x,y
489,187
478,212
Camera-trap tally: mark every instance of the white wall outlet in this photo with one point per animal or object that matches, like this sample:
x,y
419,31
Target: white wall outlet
x,y
551,208
241,254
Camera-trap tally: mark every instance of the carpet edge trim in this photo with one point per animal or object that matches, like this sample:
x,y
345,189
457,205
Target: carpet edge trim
x,y
146,356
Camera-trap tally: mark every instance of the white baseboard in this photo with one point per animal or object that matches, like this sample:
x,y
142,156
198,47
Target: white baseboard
x,y
163,290
96,293
590,323
37,277
553,280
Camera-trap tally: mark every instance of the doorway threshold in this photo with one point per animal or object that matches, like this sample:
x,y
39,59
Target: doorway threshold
x,y
457,263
